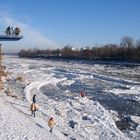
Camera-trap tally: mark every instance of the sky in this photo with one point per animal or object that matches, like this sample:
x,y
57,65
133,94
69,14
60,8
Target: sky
x,y
52,24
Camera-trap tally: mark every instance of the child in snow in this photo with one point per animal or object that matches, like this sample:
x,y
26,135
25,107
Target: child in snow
x,y
82,94
51,123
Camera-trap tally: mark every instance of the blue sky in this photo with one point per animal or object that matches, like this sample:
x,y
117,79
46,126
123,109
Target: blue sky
x,y
55,23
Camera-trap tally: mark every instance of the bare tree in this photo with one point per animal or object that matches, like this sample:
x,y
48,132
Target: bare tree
x,y
128,43
138,43
137,52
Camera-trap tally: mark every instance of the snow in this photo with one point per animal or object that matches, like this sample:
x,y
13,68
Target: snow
x,y
52,82
132,90
136,119
17,124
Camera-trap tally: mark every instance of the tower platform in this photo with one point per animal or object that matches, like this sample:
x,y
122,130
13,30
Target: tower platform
x,y
10,37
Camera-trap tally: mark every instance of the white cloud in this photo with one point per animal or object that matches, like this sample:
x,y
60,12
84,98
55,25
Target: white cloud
x,y
33,37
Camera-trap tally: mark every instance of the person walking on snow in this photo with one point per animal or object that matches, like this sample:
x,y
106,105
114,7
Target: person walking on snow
x,y
51,123
34,98
33,109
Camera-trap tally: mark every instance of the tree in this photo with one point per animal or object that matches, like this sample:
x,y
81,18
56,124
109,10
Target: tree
x,y
138,43
137,50
127,43
67,51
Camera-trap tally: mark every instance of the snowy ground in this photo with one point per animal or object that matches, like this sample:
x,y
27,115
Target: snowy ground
x,y
112,91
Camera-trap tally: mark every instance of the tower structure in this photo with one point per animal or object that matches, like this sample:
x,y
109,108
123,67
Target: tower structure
x,y
14,36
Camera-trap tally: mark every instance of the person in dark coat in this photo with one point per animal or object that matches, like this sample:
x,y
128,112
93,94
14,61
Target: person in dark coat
x,y
34,98
8,31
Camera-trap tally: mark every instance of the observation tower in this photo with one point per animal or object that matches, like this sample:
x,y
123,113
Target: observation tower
x,y
9,35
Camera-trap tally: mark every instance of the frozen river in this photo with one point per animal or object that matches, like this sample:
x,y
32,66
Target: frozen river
x,y
115,86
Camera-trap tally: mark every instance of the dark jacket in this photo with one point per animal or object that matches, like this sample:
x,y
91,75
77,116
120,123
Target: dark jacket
x,y
34,99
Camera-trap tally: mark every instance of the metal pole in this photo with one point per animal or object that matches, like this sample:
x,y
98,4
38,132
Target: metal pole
x,y
0,55
1,70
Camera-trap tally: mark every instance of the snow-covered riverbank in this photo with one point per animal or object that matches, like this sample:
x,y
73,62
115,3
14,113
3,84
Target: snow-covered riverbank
x,y
57,86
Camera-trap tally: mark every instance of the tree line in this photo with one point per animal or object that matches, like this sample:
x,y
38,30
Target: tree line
x,y
128,49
